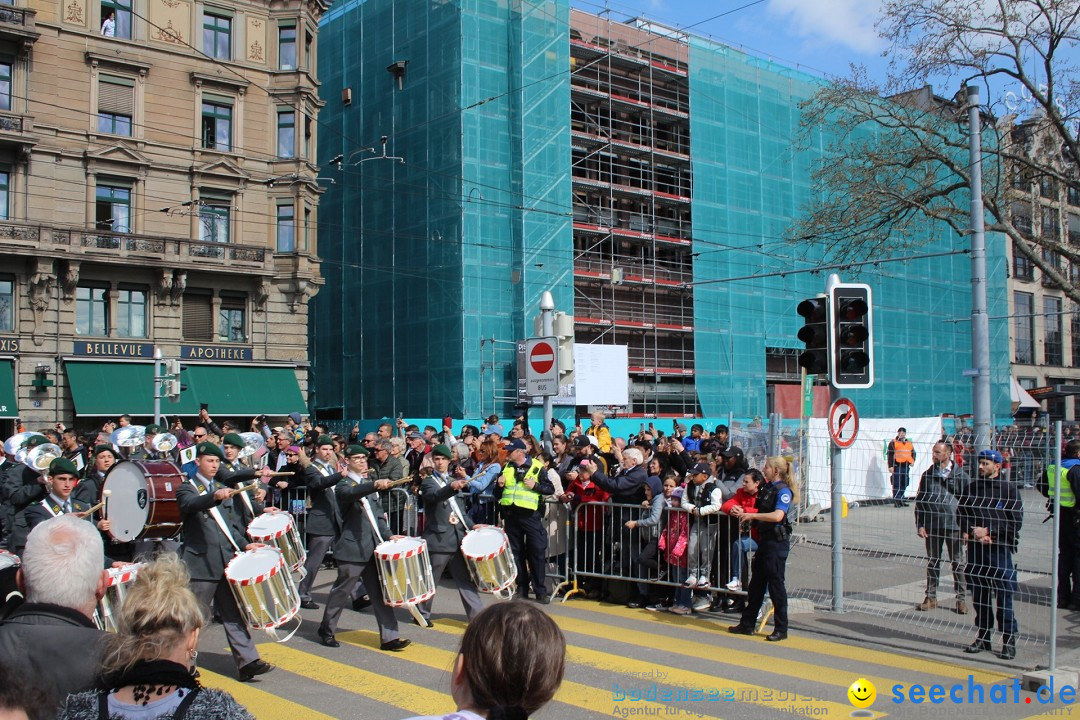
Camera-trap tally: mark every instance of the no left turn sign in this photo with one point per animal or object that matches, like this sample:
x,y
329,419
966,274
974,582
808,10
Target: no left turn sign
x,y
843,423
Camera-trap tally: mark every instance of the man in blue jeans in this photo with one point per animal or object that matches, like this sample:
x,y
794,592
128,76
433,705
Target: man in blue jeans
x,y
990,515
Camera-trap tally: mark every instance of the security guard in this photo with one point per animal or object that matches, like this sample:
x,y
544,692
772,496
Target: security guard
x,y
445,525
990,515
900,458
1067,477
520,490
770,561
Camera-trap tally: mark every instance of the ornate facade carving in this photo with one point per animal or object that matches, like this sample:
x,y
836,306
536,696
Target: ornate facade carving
x,y
70,280
179,284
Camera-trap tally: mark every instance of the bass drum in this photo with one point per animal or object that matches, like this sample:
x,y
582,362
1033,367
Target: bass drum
x,y
142,501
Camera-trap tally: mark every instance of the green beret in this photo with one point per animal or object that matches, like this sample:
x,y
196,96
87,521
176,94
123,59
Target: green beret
x,y
152,429
34,440
209,448
104,448
355,450
324,440
233,439
443,451
63,466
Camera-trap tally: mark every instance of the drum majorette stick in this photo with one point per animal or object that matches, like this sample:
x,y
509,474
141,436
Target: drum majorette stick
x,y
87,513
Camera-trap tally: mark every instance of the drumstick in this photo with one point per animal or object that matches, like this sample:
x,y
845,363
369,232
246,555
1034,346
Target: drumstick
x,y
402,481
237,491
91,511
279,474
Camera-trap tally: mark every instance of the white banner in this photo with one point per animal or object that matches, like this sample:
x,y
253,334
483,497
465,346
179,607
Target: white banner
x,y
866,472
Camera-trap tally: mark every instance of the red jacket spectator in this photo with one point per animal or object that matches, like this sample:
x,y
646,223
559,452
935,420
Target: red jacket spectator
x,y
591,519
748,503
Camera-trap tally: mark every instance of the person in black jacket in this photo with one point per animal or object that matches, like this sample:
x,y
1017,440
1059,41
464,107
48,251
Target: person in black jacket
x,y
324,516
520,491
990,515
935,522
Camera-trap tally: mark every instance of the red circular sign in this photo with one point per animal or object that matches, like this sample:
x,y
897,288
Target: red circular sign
x,y
843,423
542,357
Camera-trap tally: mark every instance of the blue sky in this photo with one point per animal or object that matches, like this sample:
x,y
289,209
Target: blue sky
x,y
820,36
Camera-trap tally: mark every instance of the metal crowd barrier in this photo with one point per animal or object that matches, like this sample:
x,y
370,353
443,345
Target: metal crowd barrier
x,y
399,504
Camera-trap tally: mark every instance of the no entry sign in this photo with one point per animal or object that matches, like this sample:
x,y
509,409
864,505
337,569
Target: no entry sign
x,y
541,367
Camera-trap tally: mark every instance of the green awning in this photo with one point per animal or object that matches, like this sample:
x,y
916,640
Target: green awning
x,y
243,391
9,405
115,388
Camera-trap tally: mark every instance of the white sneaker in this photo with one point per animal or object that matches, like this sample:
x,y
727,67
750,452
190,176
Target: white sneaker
x,y
735,585
690,581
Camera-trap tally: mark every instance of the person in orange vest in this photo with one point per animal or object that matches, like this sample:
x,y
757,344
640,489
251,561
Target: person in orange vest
x,y
901,457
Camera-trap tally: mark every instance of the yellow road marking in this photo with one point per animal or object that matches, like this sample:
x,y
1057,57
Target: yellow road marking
x,y
262,704
935,668
637,672
570,693
377,686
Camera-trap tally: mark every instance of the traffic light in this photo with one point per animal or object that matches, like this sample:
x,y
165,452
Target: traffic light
x,y
815,334
171,381
851,336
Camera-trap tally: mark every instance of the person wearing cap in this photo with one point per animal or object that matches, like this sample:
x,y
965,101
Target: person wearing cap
x,y
88,492
703,500
146,451
22,487
363,527
990,514
418,454
62,478
445,525
588,524
520,490
233,473
215,523
324,515
900,457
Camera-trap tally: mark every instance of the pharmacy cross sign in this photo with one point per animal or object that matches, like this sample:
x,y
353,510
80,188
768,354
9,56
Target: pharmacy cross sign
x,y
843,423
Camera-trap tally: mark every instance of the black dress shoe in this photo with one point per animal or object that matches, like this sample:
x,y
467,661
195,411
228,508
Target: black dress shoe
x,y
253,668
735,609
309,604
395,645
359,604
426,624
740,630
546,599
328,638
978,646
776,636
1008,647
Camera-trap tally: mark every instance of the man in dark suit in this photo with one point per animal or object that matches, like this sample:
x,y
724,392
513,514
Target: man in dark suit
x,y
21,487
214,524
324,516
233,473
445,526
62,478
362,528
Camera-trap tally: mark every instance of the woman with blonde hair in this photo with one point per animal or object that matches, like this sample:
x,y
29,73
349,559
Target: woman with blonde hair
x,y
774,499
149,664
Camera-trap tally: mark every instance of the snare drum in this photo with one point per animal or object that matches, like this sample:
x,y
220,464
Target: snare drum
x,y
404,571
279,530
142,501
265,591
115,590
10,595
487,553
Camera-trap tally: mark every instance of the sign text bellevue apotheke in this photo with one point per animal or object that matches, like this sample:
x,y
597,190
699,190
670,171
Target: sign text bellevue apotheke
x,y
146,350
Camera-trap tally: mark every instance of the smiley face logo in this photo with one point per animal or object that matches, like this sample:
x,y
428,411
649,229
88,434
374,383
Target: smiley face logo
x,y
862,693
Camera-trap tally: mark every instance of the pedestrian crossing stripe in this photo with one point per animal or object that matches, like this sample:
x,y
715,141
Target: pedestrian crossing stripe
x,y
415,699
935,668
570,693
260,703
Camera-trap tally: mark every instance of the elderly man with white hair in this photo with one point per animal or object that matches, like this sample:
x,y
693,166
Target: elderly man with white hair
x,y
627,487
51,637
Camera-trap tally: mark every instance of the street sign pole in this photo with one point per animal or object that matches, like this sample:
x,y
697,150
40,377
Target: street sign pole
x,y
547,311
837,475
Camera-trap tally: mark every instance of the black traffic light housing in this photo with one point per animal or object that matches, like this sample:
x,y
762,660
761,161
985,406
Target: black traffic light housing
x,y
815,334
851,336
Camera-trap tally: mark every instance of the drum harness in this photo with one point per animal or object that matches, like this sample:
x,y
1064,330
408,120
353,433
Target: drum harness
x,y
216,514
457,515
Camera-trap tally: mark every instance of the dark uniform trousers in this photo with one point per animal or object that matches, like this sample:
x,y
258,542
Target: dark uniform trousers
x,y
767,572
470,598
317,545
990,573
236,629
528,542
341,596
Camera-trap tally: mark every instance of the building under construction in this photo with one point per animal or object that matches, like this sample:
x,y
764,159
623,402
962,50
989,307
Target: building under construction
x,y
645,176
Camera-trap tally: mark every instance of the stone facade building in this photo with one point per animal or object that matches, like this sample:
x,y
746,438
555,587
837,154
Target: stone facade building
x,y
158,187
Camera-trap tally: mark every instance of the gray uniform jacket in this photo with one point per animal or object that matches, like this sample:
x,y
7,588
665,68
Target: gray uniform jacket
x,y
22,487
443,535
206,550
357,541
324,517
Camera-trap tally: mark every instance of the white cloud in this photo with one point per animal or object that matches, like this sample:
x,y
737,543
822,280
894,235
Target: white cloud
x,y
849,23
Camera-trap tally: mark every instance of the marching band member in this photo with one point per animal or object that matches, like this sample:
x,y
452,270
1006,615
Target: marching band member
x,y
324,516
445,526
235,474
22,487
214,525
89,490
62,478
362,528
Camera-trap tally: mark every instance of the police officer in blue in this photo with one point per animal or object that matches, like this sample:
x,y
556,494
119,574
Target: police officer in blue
x,y
770,560
990,515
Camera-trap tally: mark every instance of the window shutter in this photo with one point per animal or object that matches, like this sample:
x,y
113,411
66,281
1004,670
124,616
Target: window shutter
x,y
198,317
117,96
